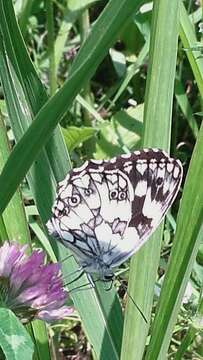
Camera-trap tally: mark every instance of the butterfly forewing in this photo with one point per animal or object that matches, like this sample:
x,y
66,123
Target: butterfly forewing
x,y
105,210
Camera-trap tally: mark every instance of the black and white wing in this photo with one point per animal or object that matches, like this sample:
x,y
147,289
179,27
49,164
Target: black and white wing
x,y
108,209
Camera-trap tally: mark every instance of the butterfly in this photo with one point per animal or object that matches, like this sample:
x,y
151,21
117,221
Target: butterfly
x,y
106,210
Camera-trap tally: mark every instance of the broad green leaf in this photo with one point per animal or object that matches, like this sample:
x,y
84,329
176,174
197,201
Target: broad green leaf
x,y
157,130
75,136
14,339
121,134
119,61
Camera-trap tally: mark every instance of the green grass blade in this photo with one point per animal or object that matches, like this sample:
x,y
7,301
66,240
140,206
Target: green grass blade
x,y
71,14
184,251
185,107
16,229
132,70
24,15
158,107
90,55
189,40
51,47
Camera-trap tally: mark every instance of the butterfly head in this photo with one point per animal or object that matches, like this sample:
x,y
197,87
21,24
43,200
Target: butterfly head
x,y
99,267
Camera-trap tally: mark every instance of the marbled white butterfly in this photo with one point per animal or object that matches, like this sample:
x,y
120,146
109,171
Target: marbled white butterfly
x,y
107,209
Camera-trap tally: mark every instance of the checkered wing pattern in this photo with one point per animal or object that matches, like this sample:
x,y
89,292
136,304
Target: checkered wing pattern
x,y
106,209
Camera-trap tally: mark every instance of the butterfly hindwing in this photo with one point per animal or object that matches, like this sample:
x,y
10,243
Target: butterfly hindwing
x,y
106,209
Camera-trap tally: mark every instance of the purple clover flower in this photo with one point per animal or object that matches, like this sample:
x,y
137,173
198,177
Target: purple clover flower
x,y
31,289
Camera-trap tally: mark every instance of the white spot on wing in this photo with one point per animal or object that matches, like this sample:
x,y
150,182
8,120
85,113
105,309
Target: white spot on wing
x,y
160,172
166,185
82,167
96,177
141,166
169,167
67,236
141,188
99,162
176,172
113,160
67,192
128,169
153,164
126,156
82,182
151,209
122,182
112,178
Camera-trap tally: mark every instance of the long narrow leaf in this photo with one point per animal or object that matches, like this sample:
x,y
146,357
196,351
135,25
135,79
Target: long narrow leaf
x,y
14,215
157,123
186,243
189,41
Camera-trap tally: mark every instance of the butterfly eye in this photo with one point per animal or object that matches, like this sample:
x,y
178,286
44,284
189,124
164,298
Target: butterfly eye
x,y
88,192
122,195
159,181
74,200
113,194
108,277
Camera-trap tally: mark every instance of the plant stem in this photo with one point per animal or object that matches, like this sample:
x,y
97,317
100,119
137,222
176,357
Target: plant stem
x,y
51,47
84,31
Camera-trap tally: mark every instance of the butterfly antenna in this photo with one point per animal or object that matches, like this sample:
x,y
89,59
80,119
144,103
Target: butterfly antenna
x,y
66,258
133,301
137,307
81,288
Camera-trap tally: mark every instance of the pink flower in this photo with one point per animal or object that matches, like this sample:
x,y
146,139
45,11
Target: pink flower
x,y
30,288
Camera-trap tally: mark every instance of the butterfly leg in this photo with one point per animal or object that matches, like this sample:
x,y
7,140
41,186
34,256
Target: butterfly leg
x,y
84,286
76,278
91,281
